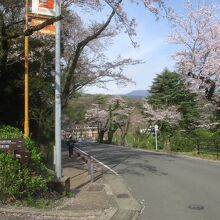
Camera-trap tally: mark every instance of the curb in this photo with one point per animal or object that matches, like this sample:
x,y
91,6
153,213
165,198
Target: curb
x,y
128,207
53,214
28,213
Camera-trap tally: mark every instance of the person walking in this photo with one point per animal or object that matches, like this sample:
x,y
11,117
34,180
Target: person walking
x,y
70,144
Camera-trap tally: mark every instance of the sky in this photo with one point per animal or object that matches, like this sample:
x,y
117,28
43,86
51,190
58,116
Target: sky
x,y
154,49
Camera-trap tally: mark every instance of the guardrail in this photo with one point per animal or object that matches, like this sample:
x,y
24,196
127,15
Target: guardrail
x,y
93,164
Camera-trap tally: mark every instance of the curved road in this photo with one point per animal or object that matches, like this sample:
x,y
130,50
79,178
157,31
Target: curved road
x,y
167,185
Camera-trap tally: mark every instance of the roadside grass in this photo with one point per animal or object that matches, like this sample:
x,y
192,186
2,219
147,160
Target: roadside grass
x,y
39,203
204,155
148,143
50,200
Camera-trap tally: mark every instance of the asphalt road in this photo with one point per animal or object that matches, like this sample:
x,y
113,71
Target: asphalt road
x,y
166,185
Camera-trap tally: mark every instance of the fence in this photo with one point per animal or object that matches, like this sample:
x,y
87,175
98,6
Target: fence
x,y
95,167
210,149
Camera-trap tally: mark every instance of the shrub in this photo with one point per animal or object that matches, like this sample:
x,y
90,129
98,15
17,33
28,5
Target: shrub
x,y
138,141
203,136
182,141
10,176
19,181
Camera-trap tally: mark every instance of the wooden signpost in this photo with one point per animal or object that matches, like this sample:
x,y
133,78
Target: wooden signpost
x,y
16,148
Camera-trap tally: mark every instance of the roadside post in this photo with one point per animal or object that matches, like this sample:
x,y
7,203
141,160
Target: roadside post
x,y
92,170
90,163
156,130
58,167
41,11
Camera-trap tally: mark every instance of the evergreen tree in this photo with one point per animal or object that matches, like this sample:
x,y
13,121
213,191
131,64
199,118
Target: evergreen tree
x,y
168,90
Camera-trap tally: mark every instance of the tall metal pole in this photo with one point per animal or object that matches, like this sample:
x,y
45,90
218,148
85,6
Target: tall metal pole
x,y
58,166
26,115
156,130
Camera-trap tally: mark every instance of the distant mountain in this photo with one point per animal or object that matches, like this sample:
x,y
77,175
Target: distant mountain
x,y
137,94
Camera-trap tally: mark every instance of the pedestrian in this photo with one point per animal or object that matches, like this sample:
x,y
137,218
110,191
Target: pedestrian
x,y
70,144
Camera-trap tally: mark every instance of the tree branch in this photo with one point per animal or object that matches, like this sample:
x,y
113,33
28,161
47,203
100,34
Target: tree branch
x,y
38,27
80,47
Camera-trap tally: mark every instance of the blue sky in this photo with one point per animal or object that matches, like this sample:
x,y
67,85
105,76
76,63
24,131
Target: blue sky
x,y
154,49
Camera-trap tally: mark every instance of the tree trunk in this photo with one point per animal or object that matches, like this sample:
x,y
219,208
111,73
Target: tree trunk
x,y
110,136
101,136
123,139
124,131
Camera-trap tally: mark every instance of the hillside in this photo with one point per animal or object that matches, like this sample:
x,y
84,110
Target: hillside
x,y
137,94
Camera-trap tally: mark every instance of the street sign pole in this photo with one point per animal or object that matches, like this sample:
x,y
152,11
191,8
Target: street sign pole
x,y
58,165
156,130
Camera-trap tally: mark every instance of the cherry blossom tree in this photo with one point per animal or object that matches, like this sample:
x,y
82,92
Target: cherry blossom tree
x,y
119,117
138,125
123,121
99,117
114,115
153,115
169,116
198,60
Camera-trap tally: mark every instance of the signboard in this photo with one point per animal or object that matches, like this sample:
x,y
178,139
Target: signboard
x,y
50,29
44,7
8,144
16,148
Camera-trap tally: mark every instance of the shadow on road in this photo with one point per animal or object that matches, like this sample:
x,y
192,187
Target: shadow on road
x,y
131,161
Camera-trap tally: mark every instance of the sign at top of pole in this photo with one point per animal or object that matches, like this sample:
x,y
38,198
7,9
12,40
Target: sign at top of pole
x,y
41,11
44,7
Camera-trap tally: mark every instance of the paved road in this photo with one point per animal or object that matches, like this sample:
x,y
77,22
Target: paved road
x,y
167,184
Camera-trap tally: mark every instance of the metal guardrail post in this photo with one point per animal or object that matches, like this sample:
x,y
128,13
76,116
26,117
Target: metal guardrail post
x,y
92,160
90,163
92,170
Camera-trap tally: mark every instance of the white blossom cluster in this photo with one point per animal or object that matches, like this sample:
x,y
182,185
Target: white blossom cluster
x,y
170,114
